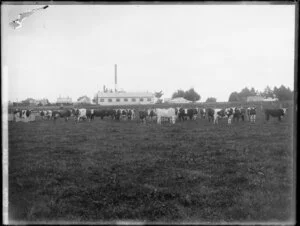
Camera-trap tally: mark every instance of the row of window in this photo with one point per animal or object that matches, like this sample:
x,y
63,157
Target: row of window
x,y
124,99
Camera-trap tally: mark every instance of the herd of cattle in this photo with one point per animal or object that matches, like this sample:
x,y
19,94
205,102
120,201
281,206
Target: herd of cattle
x,y
158,114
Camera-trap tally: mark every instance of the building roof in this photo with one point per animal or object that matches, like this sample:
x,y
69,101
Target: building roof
x,y
271,99
254,98
64,99
122,95
179,100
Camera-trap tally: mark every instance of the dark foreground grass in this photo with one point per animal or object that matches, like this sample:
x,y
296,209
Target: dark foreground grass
x,y
187,172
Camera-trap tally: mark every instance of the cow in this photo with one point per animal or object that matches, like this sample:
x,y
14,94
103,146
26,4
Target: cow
x,y
202,112
111,113
21,114
210,114
251,113
230,112
121,114
98,113
235,114
130,114
151,114
65,113
192,113
143,114
43,113
168,113
80,114
90,114
215,114
133,116
242,113
182,114
278,113
46,114
117,114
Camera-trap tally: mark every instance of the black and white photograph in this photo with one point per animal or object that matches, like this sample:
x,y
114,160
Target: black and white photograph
x,y
149,113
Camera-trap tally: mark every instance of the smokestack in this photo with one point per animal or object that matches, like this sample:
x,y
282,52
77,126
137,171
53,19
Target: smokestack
x,y
116,86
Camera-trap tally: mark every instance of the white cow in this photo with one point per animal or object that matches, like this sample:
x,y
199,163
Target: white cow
x,y
168,113
219,113
81,114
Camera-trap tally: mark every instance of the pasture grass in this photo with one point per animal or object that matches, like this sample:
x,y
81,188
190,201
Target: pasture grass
x,y
192,171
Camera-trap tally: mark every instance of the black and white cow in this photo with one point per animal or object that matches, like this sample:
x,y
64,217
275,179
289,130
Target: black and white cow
x,y
130,114
21,114
121,114
251,113
235,113
117,114
202,112
239,113
183,114
277,113
187,113
46,114
215,114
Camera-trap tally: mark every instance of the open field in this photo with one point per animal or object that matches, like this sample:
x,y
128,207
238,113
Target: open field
x,y
192,171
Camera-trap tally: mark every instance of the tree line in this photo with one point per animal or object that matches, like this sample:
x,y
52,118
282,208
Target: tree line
x,y
281,93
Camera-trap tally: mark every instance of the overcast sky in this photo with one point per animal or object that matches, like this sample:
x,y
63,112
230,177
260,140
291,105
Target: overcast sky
x,y
70,50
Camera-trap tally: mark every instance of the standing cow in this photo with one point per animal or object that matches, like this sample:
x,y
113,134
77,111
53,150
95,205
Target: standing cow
x,y
98,113
80,114
167,113
143,114
202,112
66,114
251,113
151,114
192,113
215,114
278,113
239,113
21,115
130,114
46,114
183,114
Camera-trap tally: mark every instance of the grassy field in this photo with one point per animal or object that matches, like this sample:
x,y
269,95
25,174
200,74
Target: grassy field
x,y
192,171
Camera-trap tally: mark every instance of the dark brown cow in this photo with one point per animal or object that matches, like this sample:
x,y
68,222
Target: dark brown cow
x,y
143,115
277,113
66,114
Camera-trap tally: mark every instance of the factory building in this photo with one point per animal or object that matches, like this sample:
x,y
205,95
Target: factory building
x,y
116,97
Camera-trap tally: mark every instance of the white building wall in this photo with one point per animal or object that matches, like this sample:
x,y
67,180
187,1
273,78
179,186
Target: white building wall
x,y
105,101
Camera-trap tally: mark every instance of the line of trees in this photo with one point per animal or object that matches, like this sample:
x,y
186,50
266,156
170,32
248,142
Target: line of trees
x,y
190,94
282,93
211,100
